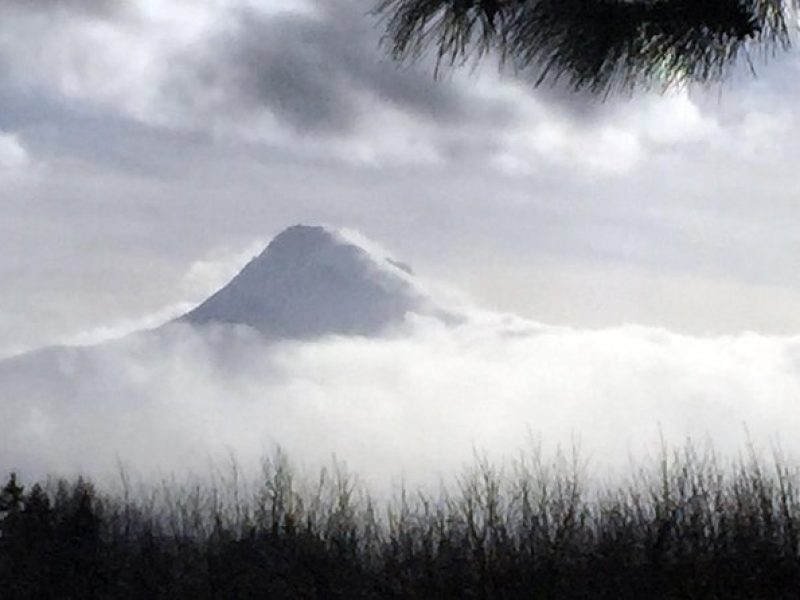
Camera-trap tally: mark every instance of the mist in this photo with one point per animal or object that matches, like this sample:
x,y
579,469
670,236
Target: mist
x,y
413,405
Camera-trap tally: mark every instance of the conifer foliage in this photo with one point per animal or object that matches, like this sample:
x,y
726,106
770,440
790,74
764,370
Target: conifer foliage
x,y
595,45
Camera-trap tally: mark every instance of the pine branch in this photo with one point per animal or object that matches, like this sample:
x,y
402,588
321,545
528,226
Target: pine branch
x,y
596,45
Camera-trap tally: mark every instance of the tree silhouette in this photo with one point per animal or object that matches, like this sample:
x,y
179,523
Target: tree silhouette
x,y
687,528
594,45
11,496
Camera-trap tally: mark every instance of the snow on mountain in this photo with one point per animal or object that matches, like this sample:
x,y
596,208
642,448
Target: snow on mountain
x,y
312,281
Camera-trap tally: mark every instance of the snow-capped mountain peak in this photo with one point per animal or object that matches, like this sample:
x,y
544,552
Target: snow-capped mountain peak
x,y
312,281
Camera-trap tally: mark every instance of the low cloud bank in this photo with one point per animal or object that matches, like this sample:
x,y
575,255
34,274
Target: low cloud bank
x,y
413,405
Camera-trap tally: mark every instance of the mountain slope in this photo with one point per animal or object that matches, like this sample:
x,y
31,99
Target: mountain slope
x,y
312,281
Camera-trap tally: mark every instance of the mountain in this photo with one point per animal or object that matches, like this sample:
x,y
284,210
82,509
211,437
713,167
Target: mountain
x,y
194,391
312,281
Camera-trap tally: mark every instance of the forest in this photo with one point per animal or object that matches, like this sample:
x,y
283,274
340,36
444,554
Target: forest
x,y
688,525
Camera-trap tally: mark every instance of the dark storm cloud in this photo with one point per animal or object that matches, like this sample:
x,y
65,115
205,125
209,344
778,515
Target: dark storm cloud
x,y
316,71
320,72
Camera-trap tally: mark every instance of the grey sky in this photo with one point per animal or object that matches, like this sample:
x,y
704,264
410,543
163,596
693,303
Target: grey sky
x,y
145,147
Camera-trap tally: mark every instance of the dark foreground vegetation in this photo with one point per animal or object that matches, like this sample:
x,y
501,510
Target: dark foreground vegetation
x,y
688,528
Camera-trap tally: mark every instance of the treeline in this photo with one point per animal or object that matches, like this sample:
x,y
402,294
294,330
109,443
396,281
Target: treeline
x,y
686,528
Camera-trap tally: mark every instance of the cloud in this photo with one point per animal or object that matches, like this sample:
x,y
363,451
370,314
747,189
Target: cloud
x,y
318,84
107,54
318,73
125,327
13,155
611,140
206,276
93,7
413,405
311,79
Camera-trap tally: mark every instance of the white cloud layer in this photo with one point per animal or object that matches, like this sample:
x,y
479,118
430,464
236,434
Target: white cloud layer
x,y
414,405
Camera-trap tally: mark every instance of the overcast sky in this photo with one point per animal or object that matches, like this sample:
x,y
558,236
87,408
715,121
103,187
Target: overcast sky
x,y
148,147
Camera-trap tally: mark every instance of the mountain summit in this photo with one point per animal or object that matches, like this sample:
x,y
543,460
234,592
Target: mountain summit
x,y
312,281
